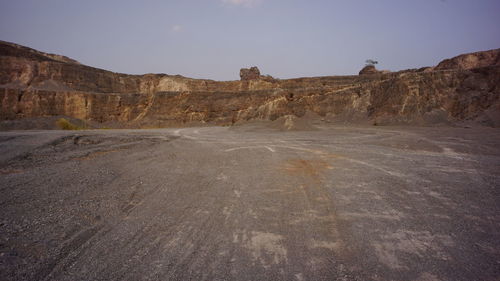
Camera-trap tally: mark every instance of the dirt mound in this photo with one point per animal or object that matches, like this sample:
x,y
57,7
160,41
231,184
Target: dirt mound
x,y
294,123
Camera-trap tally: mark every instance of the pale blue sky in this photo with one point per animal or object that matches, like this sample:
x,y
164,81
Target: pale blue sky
x,y
285,38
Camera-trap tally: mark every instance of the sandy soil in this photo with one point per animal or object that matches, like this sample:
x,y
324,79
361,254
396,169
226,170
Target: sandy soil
x,y
248,203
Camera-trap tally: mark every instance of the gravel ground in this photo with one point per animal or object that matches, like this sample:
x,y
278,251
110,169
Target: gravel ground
x,y
250,203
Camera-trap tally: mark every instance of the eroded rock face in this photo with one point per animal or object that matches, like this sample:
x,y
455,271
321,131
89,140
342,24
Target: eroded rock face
x,y
472,60
251,73
33,84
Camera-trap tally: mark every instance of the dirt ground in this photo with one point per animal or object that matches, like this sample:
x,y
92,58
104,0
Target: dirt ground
x,y
250,203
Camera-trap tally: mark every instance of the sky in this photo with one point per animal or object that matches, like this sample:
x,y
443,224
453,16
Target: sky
x,y
213,39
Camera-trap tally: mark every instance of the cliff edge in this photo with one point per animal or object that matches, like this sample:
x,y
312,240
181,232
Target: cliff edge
x,y
34,84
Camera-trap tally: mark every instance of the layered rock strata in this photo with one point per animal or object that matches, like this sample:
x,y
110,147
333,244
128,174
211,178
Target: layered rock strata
x,y
36,84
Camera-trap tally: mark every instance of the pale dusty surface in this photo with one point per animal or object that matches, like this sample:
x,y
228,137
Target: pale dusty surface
x,y
250,203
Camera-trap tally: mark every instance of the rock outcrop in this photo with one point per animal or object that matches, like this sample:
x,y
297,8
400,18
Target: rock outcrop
x,y
251,73
369,69
34,84
472,60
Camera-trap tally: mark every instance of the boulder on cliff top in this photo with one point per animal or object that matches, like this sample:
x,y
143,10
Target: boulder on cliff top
x,y
472,60
251,73
369,69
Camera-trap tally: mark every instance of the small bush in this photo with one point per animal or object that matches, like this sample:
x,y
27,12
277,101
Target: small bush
x,y
64,124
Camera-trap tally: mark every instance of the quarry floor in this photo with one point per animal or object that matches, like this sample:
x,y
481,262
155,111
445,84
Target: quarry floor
x,y
250,203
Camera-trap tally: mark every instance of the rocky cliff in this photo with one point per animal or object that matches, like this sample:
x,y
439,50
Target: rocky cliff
x,y
35,84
